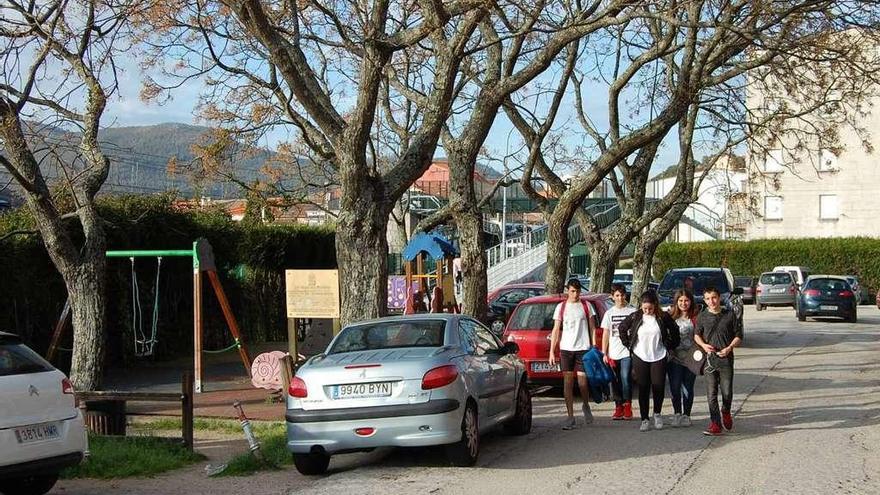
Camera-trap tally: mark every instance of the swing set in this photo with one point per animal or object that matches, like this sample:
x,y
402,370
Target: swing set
x,y
202,262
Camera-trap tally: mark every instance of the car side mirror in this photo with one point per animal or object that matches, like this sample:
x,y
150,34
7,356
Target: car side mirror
x,y
511,348
737,291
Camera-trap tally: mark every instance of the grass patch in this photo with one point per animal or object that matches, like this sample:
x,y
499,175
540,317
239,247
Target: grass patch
x,y
229,426
123,457
273,448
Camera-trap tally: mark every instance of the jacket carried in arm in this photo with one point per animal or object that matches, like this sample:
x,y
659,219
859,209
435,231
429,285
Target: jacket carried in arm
x,y
669,335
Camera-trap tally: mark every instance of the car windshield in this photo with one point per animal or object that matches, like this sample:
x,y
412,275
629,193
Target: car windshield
x,y
829,284
742,281
537,316
390,335
623,277
18,359
696,281
776,279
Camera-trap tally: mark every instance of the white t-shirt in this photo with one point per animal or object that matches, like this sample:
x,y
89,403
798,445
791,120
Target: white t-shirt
x,y
649,347
610,322
575,327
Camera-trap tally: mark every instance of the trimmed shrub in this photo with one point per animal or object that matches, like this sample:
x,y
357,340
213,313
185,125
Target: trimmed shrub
x,y
251,259
859,256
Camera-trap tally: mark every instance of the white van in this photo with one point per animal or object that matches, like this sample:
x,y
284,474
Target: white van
x,y
800,273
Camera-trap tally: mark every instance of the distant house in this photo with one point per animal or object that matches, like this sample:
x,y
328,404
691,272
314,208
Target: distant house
x,y
435,180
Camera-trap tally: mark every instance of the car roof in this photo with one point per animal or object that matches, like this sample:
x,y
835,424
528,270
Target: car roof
x,y
776,271
699,269
837,277
523,285
414,317
557,298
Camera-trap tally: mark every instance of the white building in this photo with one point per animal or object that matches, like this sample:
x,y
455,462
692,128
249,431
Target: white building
x,y
713,215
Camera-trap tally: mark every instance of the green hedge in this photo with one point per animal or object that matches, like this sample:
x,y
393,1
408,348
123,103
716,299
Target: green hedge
x,y
858,256
251,259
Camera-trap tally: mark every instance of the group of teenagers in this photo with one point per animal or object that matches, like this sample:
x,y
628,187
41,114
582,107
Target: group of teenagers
x,y
645,346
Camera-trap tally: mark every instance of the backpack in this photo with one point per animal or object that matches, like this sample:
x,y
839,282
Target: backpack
x,y
599,375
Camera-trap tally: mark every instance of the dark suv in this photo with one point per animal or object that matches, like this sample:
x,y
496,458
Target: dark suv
x,y
697,279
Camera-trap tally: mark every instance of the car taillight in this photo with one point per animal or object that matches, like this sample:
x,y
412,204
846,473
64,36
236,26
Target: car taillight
x,y
758,290
66,386
439,377
812,292
792,289
298,388
846,293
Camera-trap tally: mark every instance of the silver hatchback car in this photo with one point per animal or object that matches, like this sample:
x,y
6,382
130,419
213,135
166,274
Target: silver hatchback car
x,y
775,289
410,381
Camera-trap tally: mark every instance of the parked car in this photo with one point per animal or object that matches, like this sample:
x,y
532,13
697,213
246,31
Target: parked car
x,y
861,292
776,289
407,381
504,299
800,273
530,326
826,295
747,284
697,279
877,299
41,429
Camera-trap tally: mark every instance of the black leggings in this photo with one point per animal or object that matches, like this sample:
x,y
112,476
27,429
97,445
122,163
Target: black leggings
x,y
651,378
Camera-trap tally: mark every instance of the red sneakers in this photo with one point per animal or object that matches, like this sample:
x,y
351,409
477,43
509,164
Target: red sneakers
x,y
627,410
713,430
727,421
618,412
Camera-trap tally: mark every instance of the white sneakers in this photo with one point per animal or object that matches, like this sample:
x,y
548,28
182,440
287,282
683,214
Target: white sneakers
x,y
685,421
658,422
676,420
646,425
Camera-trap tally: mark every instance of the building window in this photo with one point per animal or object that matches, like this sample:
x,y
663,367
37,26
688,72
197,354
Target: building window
x,y
827,161
828,208
773,208
774,161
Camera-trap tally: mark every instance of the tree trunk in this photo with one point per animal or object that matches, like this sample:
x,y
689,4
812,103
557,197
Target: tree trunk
x,y
362,256
558,249
602,263
473,262
647,243
86,288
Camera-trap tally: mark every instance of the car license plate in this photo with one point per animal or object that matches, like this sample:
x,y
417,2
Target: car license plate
x,y
777,291
828,308
37,433
361,390
544,367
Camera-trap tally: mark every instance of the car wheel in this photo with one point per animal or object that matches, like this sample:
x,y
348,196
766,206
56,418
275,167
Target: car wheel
x,y
464,452
801,316
758,306
521,422
497,327
30,485
312,463
853,318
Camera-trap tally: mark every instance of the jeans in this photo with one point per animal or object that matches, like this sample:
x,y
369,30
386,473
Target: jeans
x,y
723,376
621,384
651,378
681,387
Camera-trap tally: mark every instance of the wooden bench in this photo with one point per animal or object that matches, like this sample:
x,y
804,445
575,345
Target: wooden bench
x,y
106,414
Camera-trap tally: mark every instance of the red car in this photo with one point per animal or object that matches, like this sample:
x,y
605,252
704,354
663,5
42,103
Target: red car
x,y
530,326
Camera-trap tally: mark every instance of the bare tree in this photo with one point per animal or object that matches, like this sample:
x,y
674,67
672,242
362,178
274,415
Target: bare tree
x,y
706,52
59,70
318,69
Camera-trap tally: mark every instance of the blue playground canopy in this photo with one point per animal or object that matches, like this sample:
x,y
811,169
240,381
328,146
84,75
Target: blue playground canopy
x,y
435,244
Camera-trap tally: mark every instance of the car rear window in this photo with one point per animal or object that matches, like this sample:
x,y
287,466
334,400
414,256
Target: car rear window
x,y
18,359
536,316
742,281
390,335
696,281
775,278
828,284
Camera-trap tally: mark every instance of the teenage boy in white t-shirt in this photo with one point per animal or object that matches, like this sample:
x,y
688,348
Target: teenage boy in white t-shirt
x,y
617,355
573,334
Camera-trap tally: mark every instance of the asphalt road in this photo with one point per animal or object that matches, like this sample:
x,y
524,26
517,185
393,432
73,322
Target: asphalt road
x,y
806,421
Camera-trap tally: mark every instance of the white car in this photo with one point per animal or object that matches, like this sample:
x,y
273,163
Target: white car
x,y
41,429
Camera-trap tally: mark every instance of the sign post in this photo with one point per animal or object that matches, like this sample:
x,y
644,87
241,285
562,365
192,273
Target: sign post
x,y
311,294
